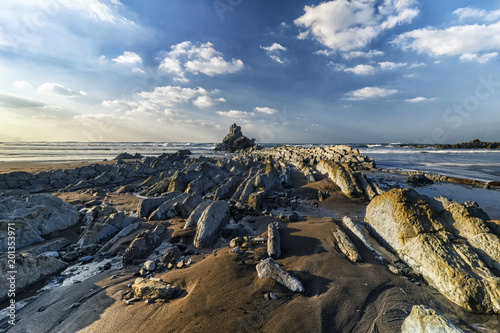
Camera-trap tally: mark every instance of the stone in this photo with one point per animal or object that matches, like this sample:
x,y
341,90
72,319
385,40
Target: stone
x,y
37,216
233,230
356,230
171,255
273,240
408,224
147,206
154,289
141,246
149,265
423,319
166,210
268,268
346,246
214,217
235,141
30,269
127,156
419,180
193,218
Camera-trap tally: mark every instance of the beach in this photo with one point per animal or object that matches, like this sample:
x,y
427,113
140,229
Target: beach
x,y
203,225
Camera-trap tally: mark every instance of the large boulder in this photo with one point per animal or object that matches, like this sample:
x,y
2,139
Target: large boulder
x,y
30,269
423,319
407,223
35,216
210,223
235,141
154,289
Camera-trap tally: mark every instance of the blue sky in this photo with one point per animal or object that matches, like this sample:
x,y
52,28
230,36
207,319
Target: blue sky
x,y
287,71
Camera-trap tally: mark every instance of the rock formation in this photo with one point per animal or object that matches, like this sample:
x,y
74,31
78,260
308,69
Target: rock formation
x,y
423,319
269,268
446,243
235,141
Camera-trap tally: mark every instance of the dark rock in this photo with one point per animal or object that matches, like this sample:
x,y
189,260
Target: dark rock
x,y
235,141
127,156
419,180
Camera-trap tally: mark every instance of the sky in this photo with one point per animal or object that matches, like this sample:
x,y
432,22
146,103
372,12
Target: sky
x,y
286,71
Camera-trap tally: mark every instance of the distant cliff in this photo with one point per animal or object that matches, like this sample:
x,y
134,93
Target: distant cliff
x,y
473,144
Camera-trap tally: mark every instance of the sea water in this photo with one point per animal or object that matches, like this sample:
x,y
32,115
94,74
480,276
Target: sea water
x,y
477,164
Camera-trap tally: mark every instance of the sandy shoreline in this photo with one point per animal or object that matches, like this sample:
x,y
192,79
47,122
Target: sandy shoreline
x,y
34,167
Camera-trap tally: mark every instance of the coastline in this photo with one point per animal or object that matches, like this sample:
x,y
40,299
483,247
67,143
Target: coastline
x,y
297,189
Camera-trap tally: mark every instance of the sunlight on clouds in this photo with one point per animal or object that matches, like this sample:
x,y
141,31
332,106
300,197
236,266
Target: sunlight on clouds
x,y
421,99
235,114
482,59
468,12
266,110
345,26
274,52
96,10
60,90
368,93
186,57
128,58
454,41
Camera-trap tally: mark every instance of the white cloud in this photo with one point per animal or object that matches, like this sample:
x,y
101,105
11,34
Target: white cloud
x,y
359,54
138,70
469,12
186,57
474,57
389,65
164,98
96,10
421,99
128,58
266,110
22,84
235,114
368,93
59,90
453,41
345,26
416,65
358,70
275,52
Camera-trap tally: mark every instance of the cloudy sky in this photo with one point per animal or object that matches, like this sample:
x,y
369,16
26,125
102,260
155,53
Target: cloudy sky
x,y
287,71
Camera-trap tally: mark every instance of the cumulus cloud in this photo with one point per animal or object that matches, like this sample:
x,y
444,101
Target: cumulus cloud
x,y
266,110
421,99
474,57
59,90
203,58
369,93
275,52
454,41
235,114
128,58
358,70
469,12
165,98
345,26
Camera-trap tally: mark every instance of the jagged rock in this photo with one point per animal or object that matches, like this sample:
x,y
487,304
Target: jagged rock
x,y
189,205
269,268
273,240
125,232
346,245
356,230
230,231
211,221
149,265
172,254
30,269
166,210
147,206
419,180
406,222
192,220
127,156
97,232
353,184
141,246
154,289
225,190
423,319
35,216
235,141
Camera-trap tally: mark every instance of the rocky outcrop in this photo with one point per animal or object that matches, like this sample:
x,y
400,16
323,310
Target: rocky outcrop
x,y
235,141
268,268
34,217
423,319
210,223
143,244
29,268
356,230
352,183
435,247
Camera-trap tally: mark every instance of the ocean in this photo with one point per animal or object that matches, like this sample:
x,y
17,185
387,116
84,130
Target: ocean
x,y
477,164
